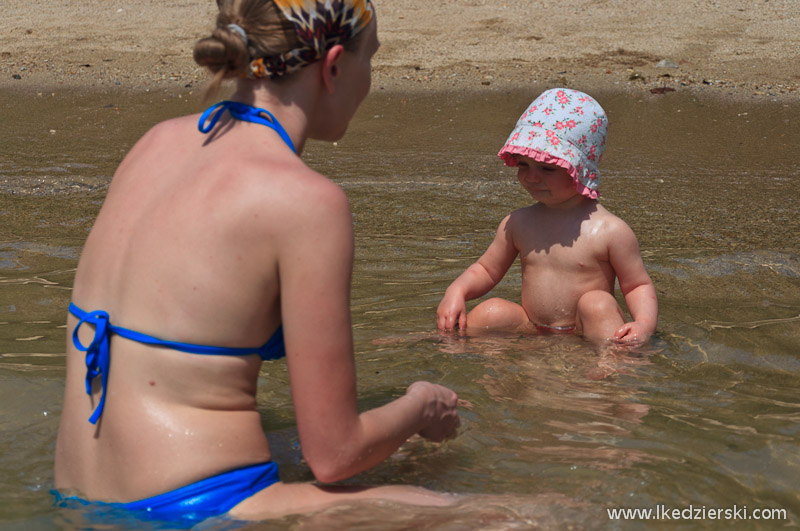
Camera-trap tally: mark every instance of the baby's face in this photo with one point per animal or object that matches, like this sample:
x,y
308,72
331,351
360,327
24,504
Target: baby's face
x,y
547,183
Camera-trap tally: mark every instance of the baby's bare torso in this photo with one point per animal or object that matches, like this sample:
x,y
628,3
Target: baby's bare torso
x,y
563,254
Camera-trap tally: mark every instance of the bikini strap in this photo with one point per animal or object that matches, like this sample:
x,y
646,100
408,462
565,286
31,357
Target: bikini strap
x,y
245,113
274,348
98,359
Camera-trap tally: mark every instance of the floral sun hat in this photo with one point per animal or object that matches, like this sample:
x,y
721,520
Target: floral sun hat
x,y
563,127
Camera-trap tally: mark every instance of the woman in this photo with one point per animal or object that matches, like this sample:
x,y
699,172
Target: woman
x,y
213,249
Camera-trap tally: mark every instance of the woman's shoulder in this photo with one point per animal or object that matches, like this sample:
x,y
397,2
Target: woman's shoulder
x,y
273,187
286,176
175,125
165,134
311,194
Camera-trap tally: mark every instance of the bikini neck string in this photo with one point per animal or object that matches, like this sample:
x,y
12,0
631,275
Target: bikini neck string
x,y
245,113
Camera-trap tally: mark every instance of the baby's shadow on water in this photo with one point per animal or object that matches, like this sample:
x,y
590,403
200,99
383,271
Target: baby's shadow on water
x,y
580,419
549,383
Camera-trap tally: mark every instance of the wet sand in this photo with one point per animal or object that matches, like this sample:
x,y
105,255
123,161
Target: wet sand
x,y
731,49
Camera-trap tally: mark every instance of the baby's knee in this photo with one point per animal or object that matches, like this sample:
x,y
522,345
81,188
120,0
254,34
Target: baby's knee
x,y
482,314
597,303
492,305
496,313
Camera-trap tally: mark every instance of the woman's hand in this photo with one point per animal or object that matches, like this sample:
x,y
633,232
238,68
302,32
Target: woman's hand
x,y
439,410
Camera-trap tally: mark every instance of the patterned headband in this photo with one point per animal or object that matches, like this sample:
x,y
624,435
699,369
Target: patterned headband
x,y
320,25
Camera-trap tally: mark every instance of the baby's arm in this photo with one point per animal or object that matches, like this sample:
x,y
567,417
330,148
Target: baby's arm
x,y
477,280
636,286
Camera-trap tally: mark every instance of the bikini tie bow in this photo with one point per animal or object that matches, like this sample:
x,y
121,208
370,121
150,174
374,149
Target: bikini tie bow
x,y
97,355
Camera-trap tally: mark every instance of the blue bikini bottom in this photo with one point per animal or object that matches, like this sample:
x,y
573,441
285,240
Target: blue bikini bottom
x,y
189,505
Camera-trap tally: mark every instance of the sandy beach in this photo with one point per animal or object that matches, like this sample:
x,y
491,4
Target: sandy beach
x,y
721,48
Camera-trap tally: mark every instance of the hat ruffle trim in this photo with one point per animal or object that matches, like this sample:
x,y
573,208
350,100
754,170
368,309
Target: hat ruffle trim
x,y
541,156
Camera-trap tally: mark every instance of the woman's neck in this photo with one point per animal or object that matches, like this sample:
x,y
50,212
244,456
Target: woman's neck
x,y
288,100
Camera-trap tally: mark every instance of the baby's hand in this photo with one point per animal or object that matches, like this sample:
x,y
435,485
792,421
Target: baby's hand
x,y
633,334
452,310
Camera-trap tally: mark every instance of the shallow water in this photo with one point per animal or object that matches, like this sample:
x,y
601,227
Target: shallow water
x,y
706,416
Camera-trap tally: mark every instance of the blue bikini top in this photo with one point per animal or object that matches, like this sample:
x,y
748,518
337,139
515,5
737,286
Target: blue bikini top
x,y
245,113
97,353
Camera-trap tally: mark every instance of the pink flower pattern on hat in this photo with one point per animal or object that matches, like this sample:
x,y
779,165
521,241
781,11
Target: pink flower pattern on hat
x,y
563,127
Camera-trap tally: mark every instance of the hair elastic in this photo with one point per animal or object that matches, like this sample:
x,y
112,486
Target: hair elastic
x,y
238,29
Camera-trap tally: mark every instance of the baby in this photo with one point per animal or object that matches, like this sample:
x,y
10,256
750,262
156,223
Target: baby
x,y
571,248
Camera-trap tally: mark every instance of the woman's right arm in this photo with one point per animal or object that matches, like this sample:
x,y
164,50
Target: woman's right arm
x,y
315,268
478,279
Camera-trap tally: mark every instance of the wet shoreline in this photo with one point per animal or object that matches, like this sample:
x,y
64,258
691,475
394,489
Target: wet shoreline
x,y
73,128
